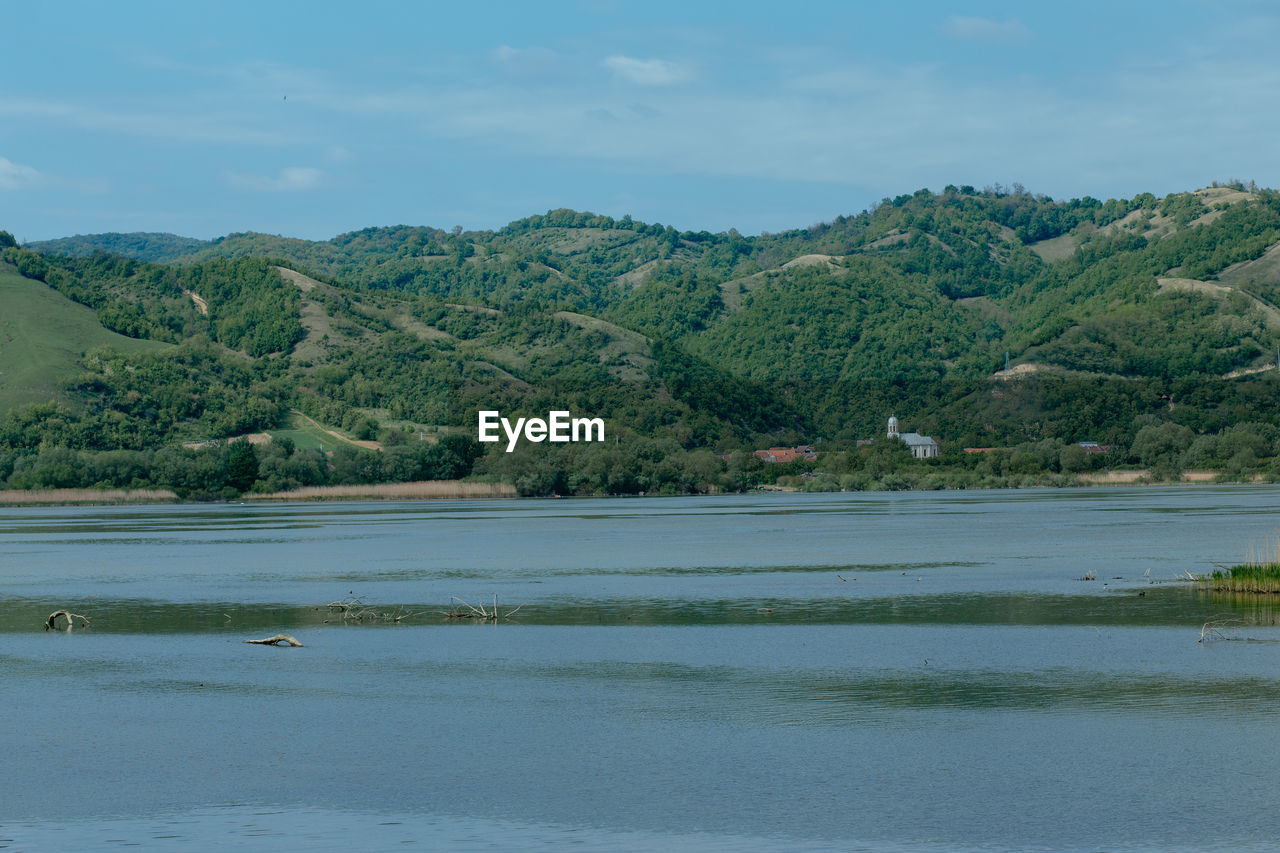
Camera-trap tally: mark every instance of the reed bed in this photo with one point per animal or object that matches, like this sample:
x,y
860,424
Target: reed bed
x,y
1259,574
85,496
1257,578
426,490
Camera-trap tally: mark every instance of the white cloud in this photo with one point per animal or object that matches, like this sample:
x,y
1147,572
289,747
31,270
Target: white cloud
x,y
805,117
987,29
891,126
526,56
16,176
290,179
648,72
264,77
171,122
537,65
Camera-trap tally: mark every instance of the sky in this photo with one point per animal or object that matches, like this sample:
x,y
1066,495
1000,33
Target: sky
x,y
314,119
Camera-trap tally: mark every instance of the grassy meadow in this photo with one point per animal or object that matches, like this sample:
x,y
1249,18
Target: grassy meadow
x,y
42,335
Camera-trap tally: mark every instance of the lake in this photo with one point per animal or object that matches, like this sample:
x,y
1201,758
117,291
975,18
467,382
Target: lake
x,y
863,671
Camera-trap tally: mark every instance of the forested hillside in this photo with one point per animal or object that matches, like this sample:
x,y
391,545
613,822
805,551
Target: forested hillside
x,y
1117,317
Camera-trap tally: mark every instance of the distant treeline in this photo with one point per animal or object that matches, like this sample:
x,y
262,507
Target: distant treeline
x,y
1163,450
227,469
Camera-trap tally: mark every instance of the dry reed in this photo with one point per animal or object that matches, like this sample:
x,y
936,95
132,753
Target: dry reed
x,y
85,496
426,490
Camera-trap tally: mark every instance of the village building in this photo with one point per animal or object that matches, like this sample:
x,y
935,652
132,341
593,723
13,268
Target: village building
x,y
922,446
787,454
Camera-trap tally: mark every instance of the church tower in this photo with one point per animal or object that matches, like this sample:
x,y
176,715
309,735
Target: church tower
x,y
893,427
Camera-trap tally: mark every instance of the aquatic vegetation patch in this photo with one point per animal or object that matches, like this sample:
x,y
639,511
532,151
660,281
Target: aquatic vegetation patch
x,y
1258,578
1259,574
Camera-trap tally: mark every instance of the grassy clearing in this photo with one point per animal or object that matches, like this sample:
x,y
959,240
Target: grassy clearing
x,y
428,432
733,291
13,497
308,432
306,439
427,490
1264,269
42,336
322,331
629,352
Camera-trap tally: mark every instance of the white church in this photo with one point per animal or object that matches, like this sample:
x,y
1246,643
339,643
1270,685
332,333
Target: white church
x,y
922,446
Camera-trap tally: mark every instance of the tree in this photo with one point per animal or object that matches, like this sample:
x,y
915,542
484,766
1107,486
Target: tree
x,y
241,465
1073,459
1161,445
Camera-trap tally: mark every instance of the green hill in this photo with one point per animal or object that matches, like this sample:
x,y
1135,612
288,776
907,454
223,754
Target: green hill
x,y
931,286
142,246
1116,316
42,338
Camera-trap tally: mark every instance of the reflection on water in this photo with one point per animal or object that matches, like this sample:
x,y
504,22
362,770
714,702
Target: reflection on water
x,y
1168,605
882,672
1243,608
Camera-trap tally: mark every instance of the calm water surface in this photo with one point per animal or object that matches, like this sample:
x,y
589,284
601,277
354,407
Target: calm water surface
x,y
844,672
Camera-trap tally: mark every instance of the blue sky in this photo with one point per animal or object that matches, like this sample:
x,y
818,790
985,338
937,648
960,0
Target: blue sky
x,y
311,119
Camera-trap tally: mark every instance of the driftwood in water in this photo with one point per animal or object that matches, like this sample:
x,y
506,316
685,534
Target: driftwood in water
x,y
51,624
480,613
354,609
278,639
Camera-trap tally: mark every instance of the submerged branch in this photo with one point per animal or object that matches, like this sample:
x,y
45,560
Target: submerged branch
x,y
278,639
50,624
1214,630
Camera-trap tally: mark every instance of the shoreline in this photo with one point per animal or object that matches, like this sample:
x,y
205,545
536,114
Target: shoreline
x,y
436,490
423,490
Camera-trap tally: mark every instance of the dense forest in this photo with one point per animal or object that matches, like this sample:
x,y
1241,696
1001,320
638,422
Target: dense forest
x,y
1148,325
